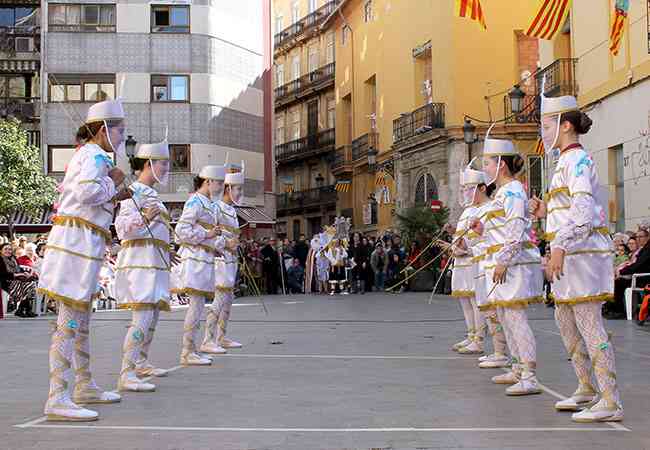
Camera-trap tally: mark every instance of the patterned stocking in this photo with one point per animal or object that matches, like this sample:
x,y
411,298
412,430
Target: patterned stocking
x,y
135,340
496,331
61,349
224,315
212,318
468,312
523,337
566,322
192,325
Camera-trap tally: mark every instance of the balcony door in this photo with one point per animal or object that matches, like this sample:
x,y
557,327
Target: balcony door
x,y
312,123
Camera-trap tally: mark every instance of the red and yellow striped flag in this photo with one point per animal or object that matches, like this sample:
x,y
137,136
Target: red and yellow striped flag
x,y
471,9
549,19
618,25
539,147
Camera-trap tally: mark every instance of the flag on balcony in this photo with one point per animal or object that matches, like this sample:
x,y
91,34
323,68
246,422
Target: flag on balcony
x,y
539,147
288,188
343,186
549,19
618,25
471,9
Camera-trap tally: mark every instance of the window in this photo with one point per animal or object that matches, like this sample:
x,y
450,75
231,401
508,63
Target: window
x,y
535,175
367,11
330,48
313,59
296,67
345,35
295,12
170,88
279,75
179,155
59,157
90,18
278,24
295,125
170,19
313,6
19,16
81,88
13,86
331,113
296,228
279,131
425,190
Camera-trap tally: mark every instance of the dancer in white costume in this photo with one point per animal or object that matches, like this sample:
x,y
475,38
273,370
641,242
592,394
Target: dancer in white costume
x,y
143,264
514,263
78,239
337,255
226,263
577,228
197,235
475,191
462,281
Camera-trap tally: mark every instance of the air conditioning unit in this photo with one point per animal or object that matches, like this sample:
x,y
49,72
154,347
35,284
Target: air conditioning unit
x,y
24,44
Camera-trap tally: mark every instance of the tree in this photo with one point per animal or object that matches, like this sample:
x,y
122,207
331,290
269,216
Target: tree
x,y
421,223
23,186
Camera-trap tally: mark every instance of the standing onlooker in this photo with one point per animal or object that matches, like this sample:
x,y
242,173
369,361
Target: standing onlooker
x,y
270,266
301,250
359,252
322,271
379,264
394,273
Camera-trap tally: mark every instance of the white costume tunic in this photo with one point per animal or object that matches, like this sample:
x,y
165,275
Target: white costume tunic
x,y
577,224
478,246
78,240
464,272
507,227
225,265
142,268
195,273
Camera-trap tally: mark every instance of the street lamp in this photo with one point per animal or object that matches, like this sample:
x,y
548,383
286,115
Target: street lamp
x,y
319,180
129,146
469,132
372,159
516,96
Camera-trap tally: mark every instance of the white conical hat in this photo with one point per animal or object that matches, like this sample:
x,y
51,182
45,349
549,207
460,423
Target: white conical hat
x,y
498,147
235,177
471,176
217,173
106,110
153,151
556,105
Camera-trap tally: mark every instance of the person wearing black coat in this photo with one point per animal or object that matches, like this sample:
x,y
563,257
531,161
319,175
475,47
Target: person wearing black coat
x,y
301,250
361,255
270,265
624,281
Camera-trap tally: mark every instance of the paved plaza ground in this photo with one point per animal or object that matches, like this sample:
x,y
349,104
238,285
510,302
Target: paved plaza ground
x,y
345,372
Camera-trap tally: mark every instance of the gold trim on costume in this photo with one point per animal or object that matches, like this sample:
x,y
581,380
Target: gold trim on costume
x,y
525,263
462,294
224,289
601,230
78,305
590,252
230,229
207,248
557,191
192,291
144,242
65,250
494,214
478,258
607,297
558,208
206,225
495,248
191,258
162,305
141,267
73,221
513,304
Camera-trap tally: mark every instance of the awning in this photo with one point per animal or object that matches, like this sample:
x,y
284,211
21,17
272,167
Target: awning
x,y
252,215
26,223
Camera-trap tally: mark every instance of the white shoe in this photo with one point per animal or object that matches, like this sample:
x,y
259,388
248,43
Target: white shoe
x,y
578,401
149,370
227,343
506,378
345,293
88,396
130,382
494,361
527,385
598,413
67,411
194,359
212,348
474,348
332,293
461,344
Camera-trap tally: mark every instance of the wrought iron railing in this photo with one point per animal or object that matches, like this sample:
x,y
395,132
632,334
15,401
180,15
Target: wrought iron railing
x,y
342,157
423,119
362,144
299,85
22,108
307,23
309,197
11,44
306,146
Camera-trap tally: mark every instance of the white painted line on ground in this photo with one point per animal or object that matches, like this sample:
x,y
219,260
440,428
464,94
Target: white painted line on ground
x,y
423,358
325,430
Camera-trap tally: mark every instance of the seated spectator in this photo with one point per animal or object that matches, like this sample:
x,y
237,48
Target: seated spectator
x,y
622,255
17,281
27,256
295,277
636,265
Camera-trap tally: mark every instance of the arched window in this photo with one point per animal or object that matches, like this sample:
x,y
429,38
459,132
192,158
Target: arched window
x,y
425,190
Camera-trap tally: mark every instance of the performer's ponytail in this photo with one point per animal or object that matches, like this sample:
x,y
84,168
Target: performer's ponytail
x,y
198,182
580,121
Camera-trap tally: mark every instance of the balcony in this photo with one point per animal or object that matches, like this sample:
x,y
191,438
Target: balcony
x,y
305,199
422,120
362,144
21,42
25,109
342,160
304,28
560,80
304,86
305,147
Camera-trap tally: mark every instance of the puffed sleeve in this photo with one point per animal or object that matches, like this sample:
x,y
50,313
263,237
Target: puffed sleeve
x,y
583,206
515,206
95,187
129,223
188,229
